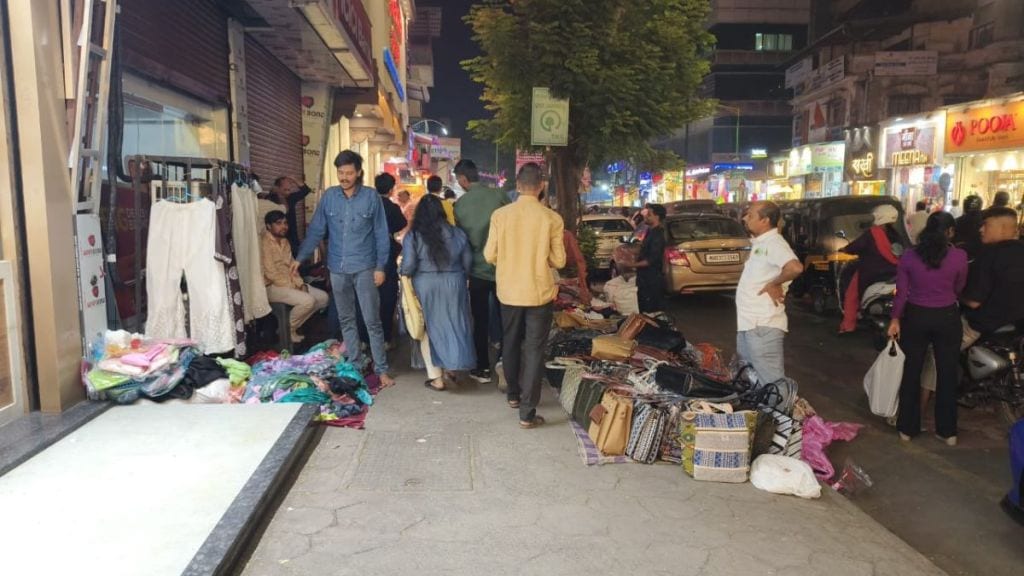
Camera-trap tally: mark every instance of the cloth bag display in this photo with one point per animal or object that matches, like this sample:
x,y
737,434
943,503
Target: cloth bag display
x,y
882,382
412,311
610,423
787,439
716,446
589,395
633,325
689,383
646,433
612,348
570,387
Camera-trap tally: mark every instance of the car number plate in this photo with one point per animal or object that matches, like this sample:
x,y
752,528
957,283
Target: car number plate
x,y
722,258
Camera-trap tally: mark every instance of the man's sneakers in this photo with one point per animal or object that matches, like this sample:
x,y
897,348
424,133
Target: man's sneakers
x,y
481,376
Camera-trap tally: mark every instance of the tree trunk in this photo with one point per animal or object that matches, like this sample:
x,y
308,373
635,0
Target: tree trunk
x,y
566,171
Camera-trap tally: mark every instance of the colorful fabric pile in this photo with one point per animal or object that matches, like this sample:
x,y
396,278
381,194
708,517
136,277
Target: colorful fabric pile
x,y
125,368
320,376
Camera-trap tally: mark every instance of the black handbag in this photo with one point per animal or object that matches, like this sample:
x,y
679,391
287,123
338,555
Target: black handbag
x,y
661,338
589,395
692,384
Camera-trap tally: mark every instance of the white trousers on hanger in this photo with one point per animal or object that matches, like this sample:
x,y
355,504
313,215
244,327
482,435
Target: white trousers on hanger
x,y
247,252
182,240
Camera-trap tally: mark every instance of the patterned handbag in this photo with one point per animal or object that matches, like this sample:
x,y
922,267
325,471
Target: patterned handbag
x,y
671,449
788,438
716,447
646,434
570,387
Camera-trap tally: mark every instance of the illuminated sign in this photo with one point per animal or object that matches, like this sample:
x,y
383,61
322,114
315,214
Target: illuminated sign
x,y
397,30
698,171
758,153
910,158
726,167
985,128
389,62
864,166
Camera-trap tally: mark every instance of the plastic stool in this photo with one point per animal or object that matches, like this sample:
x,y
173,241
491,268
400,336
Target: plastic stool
x,y
282,312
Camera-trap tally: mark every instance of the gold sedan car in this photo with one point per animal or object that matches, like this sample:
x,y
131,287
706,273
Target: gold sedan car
x,y
704,253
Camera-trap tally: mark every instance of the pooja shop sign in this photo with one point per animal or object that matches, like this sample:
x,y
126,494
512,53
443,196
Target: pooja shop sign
x,y
995,127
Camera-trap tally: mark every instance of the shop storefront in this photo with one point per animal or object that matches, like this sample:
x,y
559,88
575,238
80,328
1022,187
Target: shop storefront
x,y
735,181
912,149
816,170
984,143
777,183
697,177
863,175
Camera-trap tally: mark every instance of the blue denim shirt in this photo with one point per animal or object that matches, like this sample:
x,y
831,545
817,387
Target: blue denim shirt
x,y
357,231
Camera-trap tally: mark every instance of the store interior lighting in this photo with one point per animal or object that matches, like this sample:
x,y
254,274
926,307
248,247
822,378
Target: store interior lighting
x,y
991,164
1010,163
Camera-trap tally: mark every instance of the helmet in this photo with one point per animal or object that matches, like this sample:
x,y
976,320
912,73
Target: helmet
x,y
885,214
973,203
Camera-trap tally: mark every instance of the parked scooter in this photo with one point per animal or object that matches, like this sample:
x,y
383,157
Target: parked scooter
x,y
993,373
876,311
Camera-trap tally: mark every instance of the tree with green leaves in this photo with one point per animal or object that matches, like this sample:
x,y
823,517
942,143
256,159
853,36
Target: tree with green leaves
x,y
631,70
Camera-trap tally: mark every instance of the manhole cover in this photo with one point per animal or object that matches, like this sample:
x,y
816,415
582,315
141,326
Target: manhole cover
x,y
412,463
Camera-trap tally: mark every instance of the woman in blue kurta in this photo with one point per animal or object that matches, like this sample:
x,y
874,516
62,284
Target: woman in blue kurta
x,y
438,257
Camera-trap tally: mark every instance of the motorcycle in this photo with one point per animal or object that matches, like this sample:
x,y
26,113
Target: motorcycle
x,y
876,311
992,374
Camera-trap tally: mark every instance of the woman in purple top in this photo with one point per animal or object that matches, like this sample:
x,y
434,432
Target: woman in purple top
x,y
929,280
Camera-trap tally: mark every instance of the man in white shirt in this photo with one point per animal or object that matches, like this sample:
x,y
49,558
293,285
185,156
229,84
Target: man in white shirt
x,y
761,321
917,220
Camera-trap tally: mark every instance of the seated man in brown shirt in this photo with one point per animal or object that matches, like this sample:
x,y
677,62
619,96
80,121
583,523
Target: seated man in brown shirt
x,y
281,274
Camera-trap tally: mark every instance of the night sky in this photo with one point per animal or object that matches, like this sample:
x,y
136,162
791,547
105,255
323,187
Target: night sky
x,y
455,99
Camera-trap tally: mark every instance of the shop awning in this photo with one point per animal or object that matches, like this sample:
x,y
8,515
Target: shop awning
x,y
320,40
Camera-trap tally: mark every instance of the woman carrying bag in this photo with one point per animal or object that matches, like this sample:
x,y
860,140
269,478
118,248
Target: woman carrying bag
x,y
929,280
437,256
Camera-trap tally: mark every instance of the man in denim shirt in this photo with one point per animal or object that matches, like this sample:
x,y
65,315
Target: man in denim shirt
x,y
352,217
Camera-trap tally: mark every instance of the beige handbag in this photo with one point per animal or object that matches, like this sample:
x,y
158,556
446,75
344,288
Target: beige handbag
x,y
610,422
412,311
612,348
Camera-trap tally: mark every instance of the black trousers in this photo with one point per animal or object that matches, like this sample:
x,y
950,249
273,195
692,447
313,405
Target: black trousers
x,y
650,290
941,328
524,341
481,292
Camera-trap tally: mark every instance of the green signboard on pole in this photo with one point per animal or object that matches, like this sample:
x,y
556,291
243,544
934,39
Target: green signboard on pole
x,y
549,123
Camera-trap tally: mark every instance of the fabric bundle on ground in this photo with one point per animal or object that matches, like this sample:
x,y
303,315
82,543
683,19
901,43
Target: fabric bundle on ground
x,y
123,368
320,376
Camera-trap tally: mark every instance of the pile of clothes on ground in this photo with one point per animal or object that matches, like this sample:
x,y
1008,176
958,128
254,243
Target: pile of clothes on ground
x,y
637,391
125,368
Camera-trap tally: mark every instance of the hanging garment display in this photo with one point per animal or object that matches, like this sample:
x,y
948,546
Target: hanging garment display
x,y
226,254
182,240
245,232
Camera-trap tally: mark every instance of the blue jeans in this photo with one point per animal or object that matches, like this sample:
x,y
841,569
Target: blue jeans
x,y
762,349
347,288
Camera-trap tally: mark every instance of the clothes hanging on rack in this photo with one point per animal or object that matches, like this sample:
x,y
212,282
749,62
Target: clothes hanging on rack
x,y
226,254
245,232
183,240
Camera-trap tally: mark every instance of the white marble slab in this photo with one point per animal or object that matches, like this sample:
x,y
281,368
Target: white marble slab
x,y
136,491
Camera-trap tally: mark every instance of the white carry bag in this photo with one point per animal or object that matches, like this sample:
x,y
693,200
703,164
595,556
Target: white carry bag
x,y
882,382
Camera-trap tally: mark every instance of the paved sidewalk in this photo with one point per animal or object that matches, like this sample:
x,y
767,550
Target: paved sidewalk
x,y
447,483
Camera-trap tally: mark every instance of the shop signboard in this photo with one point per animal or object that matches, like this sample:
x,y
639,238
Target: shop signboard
x,y
92,288
816,158
698,170
397,30
720,167
355,23
995,127
817,128
523,158
778,167
798,73
446,148
396,77
549,122
832,72
907,63
909,146
315,117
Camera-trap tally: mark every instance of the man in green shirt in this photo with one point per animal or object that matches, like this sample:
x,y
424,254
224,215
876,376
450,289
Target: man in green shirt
x,y
473,214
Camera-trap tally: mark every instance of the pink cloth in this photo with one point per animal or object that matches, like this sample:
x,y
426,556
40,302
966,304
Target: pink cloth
x,y
817,435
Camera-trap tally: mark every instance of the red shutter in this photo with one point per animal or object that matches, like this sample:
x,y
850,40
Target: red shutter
x,y
181,43
275,115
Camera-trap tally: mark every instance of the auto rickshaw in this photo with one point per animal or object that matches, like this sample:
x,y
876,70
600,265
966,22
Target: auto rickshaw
x,y
817,230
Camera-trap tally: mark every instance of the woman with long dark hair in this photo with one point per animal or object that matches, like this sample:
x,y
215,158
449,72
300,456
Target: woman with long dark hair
x,y
438,257
929,280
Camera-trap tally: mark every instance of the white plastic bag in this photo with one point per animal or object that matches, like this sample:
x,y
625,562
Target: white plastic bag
x,y
216,392
784,475
882,382
622,294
